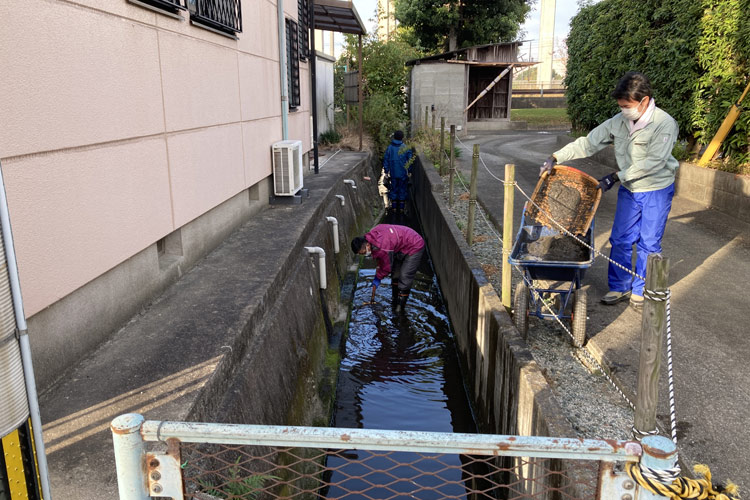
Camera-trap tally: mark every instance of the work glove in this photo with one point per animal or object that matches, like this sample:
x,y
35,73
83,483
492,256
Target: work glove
x,y
376,282
547,166
606,182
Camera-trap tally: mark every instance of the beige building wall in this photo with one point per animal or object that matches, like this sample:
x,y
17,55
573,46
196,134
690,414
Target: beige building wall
x,y
121,125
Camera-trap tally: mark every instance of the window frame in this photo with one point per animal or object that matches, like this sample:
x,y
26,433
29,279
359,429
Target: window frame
x,y
202,14
293,72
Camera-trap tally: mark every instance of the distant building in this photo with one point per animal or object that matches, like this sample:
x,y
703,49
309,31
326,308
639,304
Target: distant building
x,y
455,85
386,19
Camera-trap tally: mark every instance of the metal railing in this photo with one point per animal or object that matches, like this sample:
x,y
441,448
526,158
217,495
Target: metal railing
x,y
199,461
223,15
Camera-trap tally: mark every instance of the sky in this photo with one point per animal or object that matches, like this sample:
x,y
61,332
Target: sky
x,y
565,10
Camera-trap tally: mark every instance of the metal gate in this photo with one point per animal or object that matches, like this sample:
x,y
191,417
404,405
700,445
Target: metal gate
x,y
200,461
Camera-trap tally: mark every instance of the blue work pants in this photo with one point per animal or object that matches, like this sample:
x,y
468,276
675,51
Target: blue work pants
x,y
640,218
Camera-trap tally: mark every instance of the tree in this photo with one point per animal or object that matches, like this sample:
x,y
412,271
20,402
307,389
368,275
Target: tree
x,y
450,24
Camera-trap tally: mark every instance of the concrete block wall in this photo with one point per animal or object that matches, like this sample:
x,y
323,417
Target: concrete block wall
x,y
723,191
509,392
443,85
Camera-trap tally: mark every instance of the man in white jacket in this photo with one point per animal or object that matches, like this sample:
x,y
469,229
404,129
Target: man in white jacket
x,y
643,137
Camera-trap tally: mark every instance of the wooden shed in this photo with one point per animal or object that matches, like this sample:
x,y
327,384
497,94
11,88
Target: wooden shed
x,y
470,87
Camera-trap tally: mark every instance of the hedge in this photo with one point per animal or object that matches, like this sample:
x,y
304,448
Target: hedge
x,y
695,52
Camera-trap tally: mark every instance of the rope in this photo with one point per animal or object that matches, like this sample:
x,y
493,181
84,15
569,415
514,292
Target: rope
x,y
537,297
669,485
667,482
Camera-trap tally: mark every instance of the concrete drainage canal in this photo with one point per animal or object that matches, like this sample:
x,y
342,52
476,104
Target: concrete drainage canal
x,y
399,371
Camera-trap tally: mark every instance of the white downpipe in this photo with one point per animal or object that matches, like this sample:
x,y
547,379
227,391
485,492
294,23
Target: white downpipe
x,y
23,340
321,264
341,199
351,183
129,452
335,229
282,71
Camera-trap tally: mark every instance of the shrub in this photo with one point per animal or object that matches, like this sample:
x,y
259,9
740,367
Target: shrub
x,y
695,52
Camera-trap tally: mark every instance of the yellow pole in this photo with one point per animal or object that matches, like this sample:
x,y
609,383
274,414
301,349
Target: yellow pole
x,y
510,176
723,131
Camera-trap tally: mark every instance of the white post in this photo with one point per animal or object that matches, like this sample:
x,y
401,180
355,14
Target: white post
x,y
130,452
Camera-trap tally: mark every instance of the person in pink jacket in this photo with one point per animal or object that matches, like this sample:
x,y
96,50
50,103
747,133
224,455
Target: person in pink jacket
x,y
398,251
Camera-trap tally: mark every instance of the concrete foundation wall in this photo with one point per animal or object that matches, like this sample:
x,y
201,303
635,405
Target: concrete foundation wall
x,y
442,85
539,102
728,193
508,389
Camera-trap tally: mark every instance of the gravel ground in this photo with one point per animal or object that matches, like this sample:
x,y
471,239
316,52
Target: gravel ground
x,y
593,406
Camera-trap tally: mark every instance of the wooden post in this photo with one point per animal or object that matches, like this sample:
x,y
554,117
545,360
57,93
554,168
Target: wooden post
x,y
442,144
426,116
452,165
472,195
433,123
653,325
359,88
509,192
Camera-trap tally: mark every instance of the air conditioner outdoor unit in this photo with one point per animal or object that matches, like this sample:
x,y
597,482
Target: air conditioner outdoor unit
x,y
287,167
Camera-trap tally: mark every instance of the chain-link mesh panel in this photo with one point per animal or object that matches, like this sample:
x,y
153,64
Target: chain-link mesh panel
x,y
255,472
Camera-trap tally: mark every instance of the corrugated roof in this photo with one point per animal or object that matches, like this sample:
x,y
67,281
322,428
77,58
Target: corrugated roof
x,y
338,15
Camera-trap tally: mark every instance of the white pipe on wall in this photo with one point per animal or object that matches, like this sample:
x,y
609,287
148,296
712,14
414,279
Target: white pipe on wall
x,y
335,229
341,199
23,341
351,183
321,264
282,71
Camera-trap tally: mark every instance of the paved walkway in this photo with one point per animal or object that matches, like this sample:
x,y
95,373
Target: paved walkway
x,y
709,254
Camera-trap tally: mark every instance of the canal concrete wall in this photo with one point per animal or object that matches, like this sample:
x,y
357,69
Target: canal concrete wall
x,y
507,387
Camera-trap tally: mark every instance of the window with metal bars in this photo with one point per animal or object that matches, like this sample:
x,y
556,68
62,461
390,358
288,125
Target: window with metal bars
x,y
170,6
303,17
292,57
220,15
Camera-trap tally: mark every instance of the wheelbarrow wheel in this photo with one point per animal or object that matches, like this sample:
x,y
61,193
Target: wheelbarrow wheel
x,y
521,308
578,317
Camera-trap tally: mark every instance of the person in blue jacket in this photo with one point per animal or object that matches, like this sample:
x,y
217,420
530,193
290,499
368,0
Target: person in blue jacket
x,y
643,136
396,163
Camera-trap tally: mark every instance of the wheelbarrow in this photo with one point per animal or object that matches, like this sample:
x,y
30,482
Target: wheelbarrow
x,y
552,262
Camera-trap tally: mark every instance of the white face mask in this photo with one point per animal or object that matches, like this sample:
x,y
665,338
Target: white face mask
x,y
632,113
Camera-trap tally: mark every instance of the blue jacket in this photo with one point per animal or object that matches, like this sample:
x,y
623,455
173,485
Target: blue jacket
x,y
396,159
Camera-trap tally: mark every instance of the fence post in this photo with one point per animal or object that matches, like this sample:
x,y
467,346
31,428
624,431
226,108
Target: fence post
x,y
426,116
442,145
653,324
510,176
432,131
472,195
130,453
659,453
452,165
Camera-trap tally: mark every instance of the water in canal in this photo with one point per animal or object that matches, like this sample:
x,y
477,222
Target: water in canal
x,y
400,372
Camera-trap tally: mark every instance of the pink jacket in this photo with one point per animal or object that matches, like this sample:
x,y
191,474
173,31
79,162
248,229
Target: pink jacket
x,y
388,239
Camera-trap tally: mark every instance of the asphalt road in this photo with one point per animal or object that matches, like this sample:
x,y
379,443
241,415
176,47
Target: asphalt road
x,y
709,256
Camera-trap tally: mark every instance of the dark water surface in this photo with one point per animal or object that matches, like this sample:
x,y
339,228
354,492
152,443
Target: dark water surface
x,y
400,372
